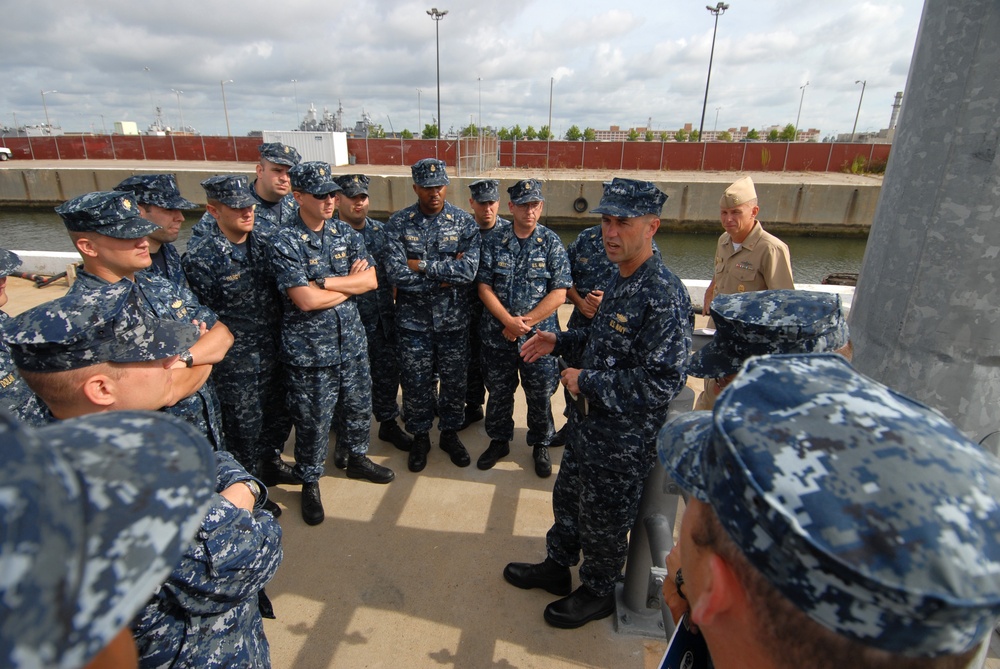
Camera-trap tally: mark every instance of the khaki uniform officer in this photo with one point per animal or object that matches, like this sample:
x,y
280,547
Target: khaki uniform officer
x,y
746,258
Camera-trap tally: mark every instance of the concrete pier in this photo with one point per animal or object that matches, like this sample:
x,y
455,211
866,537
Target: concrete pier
x,y
791,202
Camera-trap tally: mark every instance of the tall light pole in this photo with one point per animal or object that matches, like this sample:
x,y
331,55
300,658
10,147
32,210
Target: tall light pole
x,y
863,83
548,136
420,124
149,87
225,109
715,128
802,97
179,112
479,129
720,8
46,108
295,91
437,16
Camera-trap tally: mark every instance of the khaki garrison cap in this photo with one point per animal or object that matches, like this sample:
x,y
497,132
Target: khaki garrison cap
x,y
741,191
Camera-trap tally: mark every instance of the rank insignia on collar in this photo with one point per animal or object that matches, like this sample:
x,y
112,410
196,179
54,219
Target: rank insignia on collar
x,y
176,304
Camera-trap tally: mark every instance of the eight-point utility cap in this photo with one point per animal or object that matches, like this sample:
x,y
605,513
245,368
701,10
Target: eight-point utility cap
x,y
231,190
280,154
110,213
157,189
9,261
313,177
766,322
869,511
353,185
90,327
95,512
525,191
430,172
485,190
628,198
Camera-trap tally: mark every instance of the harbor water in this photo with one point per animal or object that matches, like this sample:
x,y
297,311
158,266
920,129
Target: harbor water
x,y
688,255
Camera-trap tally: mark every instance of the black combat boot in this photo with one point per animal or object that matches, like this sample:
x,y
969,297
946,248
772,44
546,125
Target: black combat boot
x,y
361,467
312,505
543,465
496,450
453,446
579,608
548,575
275,471
418,452
389,430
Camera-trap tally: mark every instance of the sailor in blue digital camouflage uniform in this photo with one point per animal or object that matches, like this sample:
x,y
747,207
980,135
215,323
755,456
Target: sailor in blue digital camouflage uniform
x,y
321,264
272,190
523,276
110,235
765,322
230,271
94,513
632,362
378,314
592,271
832,522
160,201
15,396
434,258
484,201
98,351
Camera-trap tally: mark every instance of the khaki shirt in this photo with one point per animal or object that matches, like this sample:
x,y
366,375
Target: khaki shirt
x,y
762,263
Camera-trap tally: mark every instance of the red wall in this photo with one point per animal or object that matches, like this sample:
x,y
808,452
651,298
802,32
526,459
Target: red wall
x,y
537,154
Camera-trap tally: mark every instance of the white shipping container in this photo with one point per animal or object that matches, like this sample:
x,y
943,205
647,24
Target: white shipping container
x,y
330,147
126,128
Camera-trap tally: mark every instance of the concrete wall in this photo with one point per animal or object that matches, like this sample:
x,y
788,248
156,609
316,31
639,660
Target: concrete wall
x,y
796,208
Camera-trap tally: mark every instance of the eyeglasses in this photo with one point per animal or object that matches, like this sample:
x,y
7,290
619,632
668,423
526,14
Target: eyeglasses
x,y
324,196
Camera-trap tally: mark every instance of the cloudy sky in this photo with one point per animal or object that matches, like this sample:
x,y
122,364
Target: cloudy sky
x,y
613,63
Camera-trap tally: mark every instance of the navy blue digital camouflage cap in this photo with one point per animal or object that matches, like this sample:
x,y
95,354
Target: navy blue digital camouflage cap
x,y
430,172
232,190
525,191
157,189
869,511
9,261
90,327
280,154
313,177
111,213
767,322
485,190
95,513
353,185
628,198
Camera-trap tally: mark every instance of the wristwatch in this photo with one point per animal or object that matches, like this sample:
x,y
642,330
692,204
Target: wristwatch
x,y
186,356
254,488
422,266
321,282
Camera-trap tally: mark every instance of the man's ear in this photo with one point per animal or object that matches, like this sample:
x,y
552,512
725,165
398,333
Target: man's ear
x,y
720,594
85,246
99,390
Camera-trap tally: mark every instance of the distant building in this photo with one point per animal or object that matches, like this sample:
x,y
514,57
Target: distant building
x,y
883,136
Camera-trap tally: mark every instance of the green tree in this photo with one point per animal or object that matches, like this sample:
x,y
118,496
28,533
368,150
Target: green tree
x,y
753,134
693,137
788,133
530,132
376,131
680,135
516,132
772,136
663,136
650,136
574,134
633,135
406,134
545,133
589,135
725,136
503,133
430,131
470,131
